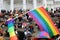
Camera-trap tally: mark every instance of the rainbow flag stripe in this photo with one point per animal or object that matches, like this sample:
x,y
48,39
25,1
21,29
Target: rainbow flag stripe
x,y
10,24
43,20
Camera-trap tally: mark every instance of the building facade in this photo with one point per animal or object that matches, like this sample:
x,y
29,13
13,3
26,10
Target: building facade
x,y
28,4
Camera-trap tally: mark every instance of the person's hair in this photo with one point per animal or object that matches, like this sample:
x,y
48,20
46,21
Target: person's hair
x,y
14,11
54,11
51,9
3,11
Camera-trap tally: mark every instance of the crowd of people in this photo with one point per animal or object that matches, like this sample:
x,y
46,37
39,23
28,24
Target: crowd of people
x,y
23,21
55,17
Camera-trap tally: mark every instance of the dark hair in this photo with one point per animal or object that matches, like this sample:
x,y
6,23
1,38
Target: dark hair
x,y
3,11
7,13
21,10
51,9
54,11
14,11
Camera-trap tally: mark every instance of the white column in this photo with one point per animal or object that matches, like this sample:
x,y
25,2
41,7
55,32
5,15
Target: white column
x,y
24,4
12,5
1,4
34,3
44,3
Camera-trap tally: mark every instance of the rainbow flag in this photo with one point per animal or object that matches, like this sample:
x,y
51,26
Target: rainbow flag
x,y
10,24
43,34
43,20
